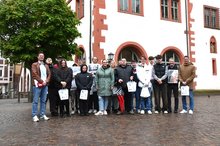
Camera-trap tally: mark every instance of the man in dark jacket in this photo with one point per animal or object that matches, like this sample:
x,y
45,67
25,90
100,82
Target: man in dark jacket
x,y
159,84
123,74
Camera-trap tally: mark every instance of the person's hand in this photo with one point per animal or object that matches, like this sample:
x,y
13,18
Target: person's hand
x,y
120,80
184,83
63,84
159,81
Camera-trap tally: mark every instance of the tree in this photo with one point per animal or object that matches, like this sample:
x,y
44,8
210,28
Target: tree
x,y
30,26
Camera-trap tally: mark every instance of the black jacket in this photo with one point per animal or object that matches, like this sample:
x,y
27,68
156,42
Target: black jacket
x,y
124,73
65,75
84,80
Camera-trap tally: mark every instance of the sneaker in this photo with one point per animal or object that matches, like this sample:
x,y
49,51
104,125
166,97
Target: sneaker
x,y
90,111
35,119
156,112
72,113
44,117
94,111
138,111
190,112
142,112
183,112
131,112
165,112
105,113
119,113
99,113
149,112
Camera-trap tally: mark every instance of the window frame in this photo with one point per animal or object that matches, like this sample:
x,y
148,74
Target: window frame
x,y
170,12
130,7
208,17
80,9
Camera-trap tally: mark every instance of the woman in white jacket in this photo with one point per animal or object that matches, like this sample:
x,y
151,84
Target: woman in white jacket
x,y
144,74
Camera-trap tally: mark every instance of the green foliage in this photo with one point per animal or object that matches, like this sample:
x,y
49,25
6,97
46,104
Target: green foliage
x,y
30,26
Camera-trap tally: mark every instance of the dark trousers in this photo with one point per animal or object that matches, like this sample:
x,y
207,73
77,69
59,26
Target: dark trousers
x,y
127,99
93,101
172,88
83,107
54,100
160,89
83,104
64,103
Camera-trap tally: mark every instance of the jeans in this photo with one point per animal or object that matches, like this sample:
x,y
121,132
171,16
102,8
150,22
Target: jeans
x,y
137,98
42,94
103,103
146,102
191,100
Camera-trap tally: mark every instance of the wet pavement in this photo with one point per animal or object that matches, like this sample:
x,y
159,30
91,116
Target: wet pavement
x,y
201,128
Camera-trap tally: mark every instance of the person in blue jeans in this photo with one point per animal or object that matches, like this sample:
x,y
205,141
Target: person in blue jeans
x,y
41,77
144,74
187,73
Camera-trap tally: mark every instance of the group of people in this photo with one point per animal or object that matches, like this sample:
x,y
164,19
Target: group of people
x,y
100,89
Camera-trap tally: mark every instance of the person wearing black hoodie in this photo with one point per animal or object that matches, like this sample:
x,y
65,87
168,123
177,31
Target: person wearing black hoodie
x,y
84,81
63,79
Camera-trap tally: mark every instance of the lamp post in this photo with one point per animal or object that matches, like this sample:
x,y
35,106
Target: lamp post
x,y
110,56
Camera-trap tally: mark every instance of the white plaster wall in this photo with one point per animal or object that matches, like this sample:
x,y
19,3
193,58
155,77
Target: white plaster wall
x,y
154,35
83,28
205,79
149,31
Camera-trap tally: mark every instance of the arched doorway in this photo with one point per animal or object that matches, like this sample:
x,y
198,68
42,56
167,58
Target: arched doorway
x,y
129,53
132,51
172,52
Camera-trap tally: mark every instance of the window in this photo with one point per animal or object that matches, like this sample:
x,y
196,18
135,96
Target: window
x,y
213,45
123,5
129,53
80,8
136,6
214,67
131,6
170,10
211,17
171,54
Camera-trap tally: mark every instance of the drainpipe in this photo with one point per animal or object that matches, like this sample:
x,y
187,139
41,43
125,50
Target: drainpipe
x,y
187,28
90,31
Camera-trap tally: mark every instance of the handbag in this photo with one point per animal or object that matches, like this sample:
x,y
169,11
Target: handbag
x,y
184,90
145,92
83,94
64,94
131,86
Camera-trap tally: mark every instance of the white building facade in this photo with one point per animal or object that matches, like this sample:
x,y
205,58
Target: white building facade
x,y
134,28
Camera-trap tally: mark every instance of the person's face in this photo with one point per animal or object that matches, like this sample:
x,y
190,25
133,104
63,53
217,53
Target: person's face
x,y
159,60
186,60
152,62
143,61
133,64
104,63
95,60
112,64
40,57
123,62
171,62
63,64
84,68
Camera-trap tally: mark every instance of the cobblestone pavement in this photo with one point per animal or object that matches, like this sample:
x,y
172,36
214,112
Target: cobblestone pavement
x,y
201,128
